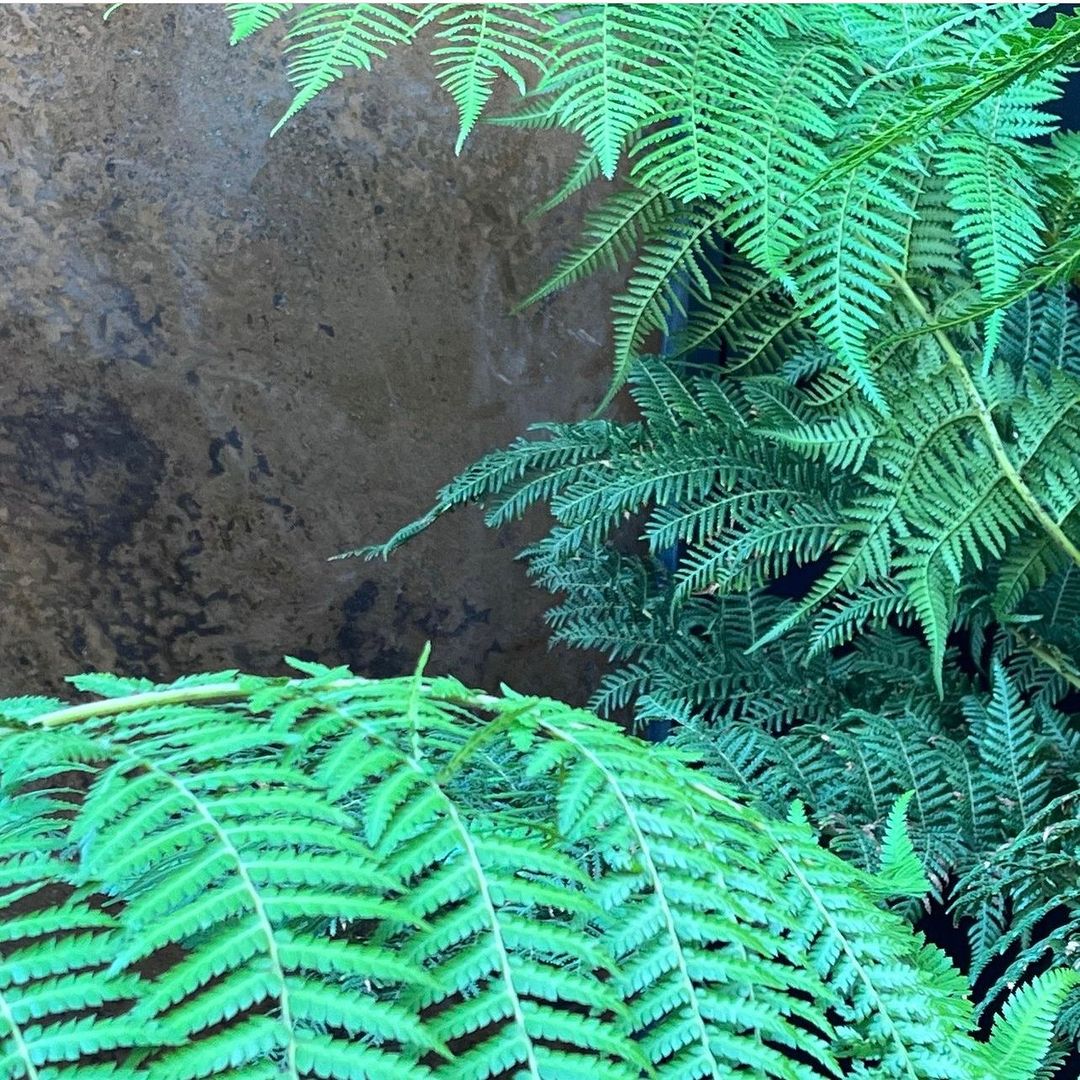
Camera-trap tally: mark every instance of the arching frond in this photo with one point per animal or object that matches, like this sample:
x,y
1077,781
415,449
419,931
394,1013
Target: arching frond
x,y
336,877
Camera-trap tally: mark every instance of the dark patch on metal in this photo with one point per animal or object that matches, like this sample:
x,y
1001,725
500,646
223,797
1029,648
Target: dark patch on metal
x,y
86,465
261,352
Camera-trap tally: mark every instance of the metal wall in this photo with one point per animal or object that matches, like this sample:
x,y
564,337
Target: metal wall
x,y
225,358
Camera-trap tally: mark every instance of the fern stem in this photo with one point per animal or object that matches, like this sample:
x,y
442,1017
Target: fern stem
x,y
190,695
257,905
1050,656
26,1059
480,876
92,710
986,419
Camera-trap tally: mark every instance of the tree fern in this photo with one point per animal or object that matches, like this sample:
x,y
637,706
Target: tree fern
x,y
347,890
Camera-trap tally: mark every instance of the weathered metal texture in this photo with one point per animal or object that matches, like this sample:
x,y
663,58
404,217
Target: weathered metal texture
x,y
226,358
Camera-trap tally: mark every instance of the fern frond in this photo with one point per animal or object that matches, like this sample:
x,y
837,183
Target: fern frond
x,y
603,82
583,172
248,19
671,267
842,269
611,236
328,39
409,878
747,313
1021,1036
483,42
689,151
54,953
1059,265
1016,56
1003,730
989,176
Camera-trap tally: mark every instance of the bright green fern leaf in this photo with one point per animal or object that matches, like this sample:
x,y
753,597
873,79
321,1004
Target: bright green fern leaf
x,y
336,877
248,19
482,42
325,40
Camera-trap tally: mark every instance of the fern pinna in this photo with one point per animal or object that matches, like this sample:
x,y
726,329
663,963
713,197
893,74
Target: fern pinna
x,y
337,877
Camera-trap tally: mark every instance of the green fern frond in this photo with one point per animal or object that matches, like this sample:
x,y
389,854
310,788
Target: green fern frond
x,y
611,235
1022,1035
748,314
1019,55
842,269
671,267
603,82
1004,732
989,174
771,214
708,119
248,19
583,172
483,42
340,877
1059,265
54,954
328,39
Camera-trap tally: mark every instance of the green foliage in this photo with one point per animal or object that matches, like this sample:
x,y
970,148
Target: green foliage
x,y
841,560
828,697
881,262
483,42
822,194
325,40
474,45
337,877
750,475
248,19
